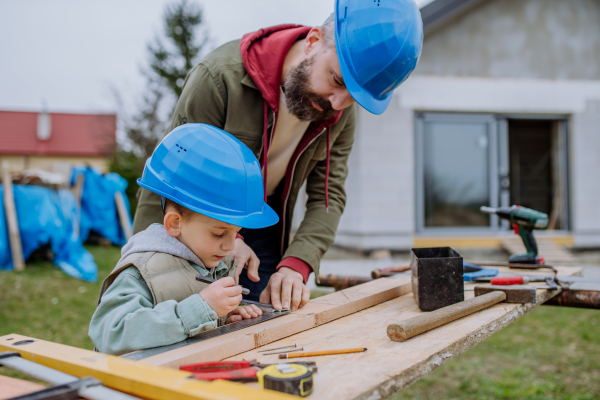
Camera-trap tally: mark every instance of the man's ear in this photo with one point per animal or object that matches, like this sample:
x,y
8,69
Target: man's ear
x,y
173,222
314,38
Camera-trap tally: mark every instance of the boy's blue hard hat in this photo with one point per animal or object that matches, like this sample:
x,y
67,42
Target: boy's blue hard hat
x,y
208,171
378,45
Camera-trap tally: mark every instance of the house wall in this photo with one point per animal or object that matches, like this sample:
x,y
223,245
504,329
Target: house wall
x,y
504,56
520,39
19,163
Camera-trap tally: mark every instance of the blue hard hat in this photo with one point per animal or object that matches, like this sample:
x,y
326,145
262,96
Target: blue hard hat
x,y
378,45
208,171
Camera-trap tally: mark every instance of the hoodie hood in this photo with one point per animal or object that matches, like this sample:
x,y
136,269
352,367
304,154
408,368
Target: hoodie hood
x,y
263,54
155,238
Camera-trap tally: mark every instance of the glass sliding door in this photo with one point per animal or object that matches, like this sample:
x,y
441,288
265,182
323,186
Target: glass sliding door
x,y
457,171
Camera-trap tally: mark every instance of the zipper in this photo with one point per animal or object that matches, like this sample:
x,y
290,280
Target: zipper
x,y
290,188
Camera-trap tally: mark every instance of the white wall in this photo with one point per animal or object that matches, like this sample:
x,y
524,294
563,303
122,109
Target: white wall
x,y
381,187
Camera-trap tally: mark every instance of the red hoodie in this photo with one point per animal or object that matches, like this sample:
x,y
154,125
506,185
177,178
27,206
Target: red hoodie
x,y
263,54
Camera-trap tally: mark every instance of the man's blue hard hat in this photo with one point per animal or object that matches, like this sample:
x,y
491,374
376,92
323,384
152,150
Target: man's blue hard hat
x,y
208,171
378,44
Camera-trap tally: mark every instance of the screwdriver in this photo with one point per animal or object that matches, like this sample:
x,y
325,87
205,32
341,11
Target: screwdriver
x,y
206,279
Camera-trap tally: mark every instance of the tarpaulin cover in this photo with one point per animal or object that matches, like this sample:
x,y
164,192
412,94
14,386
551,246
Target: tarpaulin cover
x,y
47,216
98,207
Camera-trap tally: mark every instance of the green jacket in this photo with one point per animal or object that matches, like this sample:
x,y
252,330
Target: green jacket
x,y
234,88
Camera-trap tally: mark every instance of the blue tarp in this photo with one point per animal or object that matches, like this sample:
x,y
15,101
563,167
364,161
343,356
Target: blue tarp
x,y
48,216
98,208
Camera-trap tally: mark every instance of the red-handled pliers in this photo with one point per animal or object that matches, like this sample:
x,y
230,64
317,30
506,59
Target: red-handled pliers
x,y
237,371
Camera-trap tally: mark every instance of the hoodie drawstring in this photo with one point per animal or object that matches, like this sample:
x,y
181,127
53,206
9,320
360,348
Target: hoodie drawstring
x,y
265,148
327,172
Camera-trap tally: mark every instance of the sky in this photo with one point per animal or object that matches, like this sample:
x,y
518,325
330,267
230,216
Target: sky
x,y
73,54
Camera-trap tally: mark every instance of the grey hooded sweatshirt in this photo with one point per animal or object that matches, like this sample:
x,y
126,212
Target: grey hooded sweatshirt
x,y
151,297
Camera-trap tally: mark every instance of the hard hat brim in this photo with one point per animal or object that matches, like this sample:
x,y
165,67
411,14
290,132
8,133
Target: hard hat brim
x,y
257,220
362,97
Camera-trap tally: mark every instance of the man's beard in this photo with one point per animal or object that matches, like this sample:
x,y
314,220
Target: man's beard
x,y
299,97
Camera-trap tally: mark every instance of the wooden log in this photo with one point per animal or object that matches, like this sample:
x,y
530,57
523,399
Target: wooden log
x,y
340,282
317,312
123,215
425,322
11,219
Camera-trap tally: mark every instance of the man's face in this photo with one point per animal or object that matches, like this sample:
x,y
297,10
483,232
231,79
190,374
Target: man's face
x,y
315,89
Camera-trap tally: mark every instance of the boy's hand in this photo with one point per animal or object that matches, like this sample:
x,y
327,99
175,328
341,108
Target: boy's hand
x,y
223,296
243,312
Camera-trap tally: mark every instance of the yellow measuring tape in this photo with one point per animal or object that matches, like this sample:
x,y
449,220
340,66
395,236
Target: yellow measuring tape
x,y
296,379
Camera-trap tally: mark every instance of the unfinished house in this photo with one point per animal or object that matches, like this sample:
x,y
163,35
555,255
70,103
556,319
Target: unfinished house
x,y
503,108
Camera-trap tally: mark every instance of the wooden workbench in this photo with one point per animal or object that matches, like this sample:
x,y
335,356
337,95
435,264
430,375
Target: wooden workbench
x,y
389,366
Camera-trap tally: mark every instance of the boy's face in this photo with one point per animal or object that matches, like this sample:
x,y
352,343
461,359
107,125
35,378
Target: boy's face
x,y
207,237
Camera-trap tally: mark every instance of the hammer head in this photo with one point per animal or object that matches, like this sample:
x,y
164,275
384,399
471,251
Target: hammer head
x,y
514,293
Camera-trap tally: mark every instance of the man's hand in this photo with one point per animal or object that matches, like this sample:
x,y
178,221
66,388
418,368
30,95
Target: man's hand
x,y
243,312
247,259
286,289
223,296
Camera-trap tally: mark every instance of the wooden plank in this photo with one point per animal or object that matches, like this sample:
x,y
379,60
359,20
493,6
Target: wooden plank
x,y
132,377
317,312
12,387
123,215
387,366
11,219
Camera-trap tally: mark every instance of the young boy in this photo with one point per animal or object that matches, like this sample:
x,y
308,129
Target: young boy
x,y
211,186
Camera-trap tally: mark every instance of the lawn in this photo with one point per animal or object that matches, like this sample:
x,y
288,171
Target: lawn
x,y
550,353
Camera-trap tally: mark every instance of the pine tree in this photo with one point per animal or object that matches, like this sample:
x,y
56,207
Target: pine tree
x,y
170,59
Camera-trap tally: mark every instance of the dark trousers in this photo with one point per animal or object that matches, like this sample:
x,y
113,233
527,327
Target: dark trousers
x,y
266,244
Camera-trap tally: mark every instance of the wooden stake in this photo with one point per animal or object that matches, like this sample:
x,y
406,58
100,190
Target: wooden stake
x,y
11,219
77,191
123,215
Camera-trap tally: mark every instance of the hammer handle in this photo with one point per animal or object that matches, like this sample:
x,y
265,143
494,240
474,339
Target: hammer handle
x,y
425,322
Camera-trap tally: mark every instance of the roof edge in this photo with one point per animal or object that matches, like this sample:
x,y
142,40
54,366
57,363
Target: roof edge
x,y
438,12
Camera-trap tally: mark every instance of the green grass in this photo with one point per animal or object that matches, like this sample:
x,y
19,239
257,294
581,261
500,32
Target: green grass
x,y
45,303
550,353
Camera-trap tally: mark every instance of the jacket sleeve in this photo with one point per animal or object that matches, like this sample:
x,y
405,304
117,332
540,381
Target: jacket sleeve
x,y
126,320
202,101
317,230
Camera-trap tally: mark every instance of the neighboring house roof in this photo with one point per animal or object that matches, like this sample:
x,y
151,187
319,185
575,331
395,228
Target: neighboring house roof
x,y
438,12
70,134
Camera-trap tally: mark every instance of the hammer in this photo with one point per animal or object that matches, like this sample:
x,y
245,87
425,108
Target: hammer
x,y
485,296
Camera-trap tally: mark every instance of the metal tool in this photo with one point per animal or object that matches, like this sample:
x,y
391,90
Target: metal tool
x,y
472,271
283,351
524,221
514,265
208,280
237,371
553,282
296,378
234,326
66,386
263,306
277,348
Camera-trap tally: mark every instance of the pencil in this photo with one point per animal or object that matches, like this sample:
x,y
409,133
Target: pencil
x,y
323,353
206,279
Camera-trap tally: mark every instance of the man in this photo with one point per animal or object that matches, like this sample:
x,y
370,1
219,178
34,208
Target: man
x,y
288,93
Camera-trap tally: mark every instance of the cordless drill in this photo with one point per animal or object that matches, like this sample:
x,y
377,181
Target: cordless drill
x,y
524,221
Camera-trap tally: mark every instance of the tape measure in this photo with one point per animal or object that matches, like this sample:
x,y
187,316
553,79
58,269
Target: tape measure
x,y
296,379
